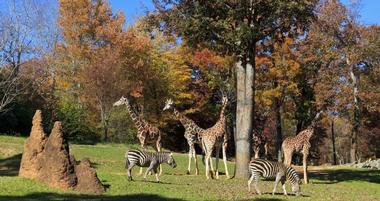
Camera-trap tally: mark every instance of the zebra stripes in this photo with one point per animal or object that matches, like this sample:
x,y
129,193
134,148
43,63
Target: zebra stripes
x,y
151,160
269,169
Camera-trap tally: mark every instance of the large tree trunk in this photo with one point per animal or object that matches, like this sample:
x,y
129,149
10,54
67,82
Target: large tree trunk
x,y
355,119
278,129
333,140
244,117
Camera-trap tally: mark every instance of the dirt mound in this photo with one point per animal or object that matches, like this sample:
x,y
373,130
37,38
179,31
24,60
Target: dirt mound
x,y
33,147
87,179
48,160
57,168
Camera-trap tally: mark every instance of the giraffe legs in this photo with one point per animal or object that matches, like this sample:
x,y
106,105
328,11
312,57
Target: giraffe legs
x,y
211,165
208,152
190,156
224,148
195,161
288,156
158,147
217,152
207,160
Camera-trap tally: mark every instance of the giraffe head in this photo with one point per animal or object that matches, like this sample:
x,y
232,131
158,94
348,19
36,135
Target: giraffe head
x,y
121,101
224,100
168,104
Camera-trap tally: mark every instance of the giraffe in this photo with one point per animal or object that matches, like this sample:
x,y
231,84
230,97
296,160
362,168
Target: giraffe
x,y
192,133
215,138
146,133
259,141
299,144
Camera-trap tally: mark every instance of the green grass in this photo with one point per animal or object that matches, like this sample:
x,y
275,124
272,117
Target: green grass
x,y
328,183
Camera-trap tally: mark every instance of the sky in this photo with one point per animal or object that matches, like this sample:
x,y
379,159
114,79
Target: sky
x,y
369,9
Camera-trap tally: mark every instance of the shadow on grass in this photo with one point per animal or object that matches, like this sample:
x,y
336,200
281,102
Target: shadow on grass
x,y
263,199
336,176
79,197
10,166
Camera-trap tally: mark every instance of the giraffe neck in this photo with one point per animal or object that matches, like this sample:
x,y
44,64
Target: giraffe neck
x,y
135,118
222,112
184,120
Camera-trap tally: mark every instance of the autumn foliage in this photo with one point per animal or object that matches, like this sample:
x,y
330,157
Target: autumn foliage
x,y
322,59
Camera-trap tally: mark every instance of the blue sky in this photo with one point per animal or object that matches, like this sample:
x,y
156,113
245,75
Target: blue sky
x,y
369,10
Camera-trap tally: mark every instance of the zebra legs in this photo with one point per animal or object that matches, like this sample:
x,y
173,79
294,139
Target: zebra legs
x,y
283,186
129,171
250,181
153,167
142,141
155,173
256,178
278,178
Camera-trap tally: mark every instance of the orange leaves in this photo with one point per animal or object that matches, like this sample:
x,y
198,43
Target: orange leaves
x,y
205,58
276,72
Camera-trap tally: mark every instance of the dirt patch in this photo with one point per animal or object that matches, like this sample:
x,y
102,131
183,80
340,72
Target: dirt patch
x,y
6,152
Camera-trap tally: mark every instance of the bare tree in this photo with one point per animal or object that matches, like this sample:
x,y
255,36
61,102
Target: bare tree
x,y
23,29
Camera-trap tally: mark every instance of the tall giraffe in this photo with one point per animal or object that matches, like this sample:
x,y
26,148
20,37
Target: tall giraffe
x,y
215,138
299,144
192,133
146,133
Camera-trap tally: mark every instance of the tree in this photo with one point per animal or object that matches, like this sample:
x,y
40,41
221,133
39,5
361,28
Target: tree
x,y
338,46
21,23
89,57
276,83
234,28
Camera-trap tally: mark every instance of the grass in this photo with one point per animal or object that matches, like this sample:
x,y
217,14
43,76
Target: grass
x,y
327,183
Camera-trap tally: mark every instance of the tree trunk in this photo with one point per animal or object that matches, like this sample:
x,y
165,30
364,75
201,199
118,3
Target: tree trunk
x,y
333,141
278,129
105,115
355,119
105,130
244,116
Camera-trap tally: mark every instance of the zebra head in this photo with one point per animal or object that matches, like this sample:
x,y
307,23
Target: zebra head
x,y
168,104
296,187
171,161
121,101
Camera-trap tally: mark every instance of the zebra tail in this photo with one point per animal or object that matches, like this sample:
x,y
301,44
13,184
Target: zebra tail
x,y
126,160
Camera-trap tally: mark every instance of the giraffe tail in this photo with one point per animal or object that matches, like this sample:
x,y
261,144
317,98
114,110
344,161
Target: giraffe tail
x,y
203,152
281,155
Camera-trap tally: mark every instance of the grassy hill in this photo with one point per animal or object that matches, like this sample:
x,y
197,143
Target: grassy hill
x,y
327,183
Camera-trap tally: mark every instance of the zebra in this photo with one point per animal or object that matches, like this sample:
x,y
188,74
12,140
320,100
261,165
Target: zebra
x,y
151,160
269,169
